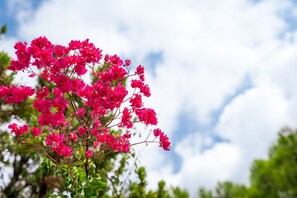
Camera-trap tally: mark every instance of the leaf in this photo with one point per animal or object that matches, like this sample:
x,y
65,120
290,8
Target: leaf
x,y
3,29
95,188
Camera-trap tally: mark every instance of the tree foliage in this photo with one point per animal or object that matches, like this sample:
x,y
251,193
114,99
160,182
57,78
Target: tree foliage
x,y
277,176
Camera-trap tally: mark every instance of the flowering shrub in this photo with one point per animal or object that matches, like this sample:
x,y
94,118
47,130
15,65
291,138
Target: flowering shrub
x,y
75,117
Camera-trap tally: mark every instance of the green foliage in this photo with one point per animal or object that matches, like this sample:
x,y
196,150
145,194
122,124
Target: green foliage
x,y
137,189
225,189
179,193
95,188
3,29
229,189
277,176
162,192
204,193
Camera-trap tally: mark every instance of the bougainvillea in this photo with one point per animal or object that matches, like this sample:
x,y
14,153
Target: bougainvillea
x,y
72,114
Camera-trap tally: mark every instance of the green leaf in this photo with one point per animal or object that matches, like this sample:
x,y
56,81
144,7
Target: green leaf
x,y
3,29
95,188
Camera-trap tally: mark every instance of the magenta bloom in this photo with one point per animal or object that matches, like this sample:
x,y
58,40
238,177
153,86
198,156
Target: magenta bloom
x,y
36,131
89,153
18,130
76,115
15,94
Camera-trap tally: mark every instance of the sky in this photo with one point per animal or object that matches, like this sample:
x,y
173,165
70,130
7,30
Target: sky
x,y
222,73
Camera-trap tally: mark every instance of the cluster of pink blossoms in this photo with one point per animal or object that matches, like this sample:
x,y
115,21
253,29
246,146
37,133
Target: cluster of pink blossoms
x,y
18,130
71,112
15,94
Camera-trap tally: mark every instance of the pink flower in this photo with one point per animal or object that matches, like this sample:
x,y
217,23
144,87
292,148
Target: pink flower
x,y
80,112
41,50
73,136
127,135
127,62
89,153
144,89
60,50
36,131
126,118
47,118
98,105
82,130
18,130
56,142
119,143
52,138
61,149
66,151
80,69
63,83
23,57
115,60
42,105
147,115
15,94
157,132
136,83
136,101
42,93
139,70
164,140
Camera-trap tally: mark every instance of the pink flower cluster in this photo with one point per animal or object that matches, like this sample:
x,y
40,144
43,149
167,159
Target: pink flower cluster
x,y
56,142
164,140
15,94
18,130
96,109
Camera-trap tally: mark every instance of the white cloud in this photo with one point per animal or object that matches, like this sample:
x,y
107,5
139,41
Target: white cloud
x,y
252,121
6,45
250,115
208,48
207,168
19,9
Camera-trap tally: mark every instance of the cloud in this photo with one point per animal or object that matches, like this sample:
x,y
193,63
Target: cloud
x,y
251,122
6,45
208,48
198,169
19,9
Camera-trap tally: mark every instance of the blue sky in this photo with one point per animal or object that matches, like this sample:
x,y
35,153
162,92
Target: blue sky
x,y
222,73
9,11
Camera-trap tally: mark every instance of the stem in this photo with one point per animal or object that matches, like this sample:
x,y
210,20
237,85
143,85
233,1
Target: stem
x,y
78,159
87,169
86,164
40,149
115,115
53,160
145,141
29,109
74,109
113,186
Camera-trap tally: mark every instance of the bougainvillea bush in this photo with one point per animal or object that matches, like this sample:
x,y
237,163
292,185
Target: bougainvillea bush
x,y
75,121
